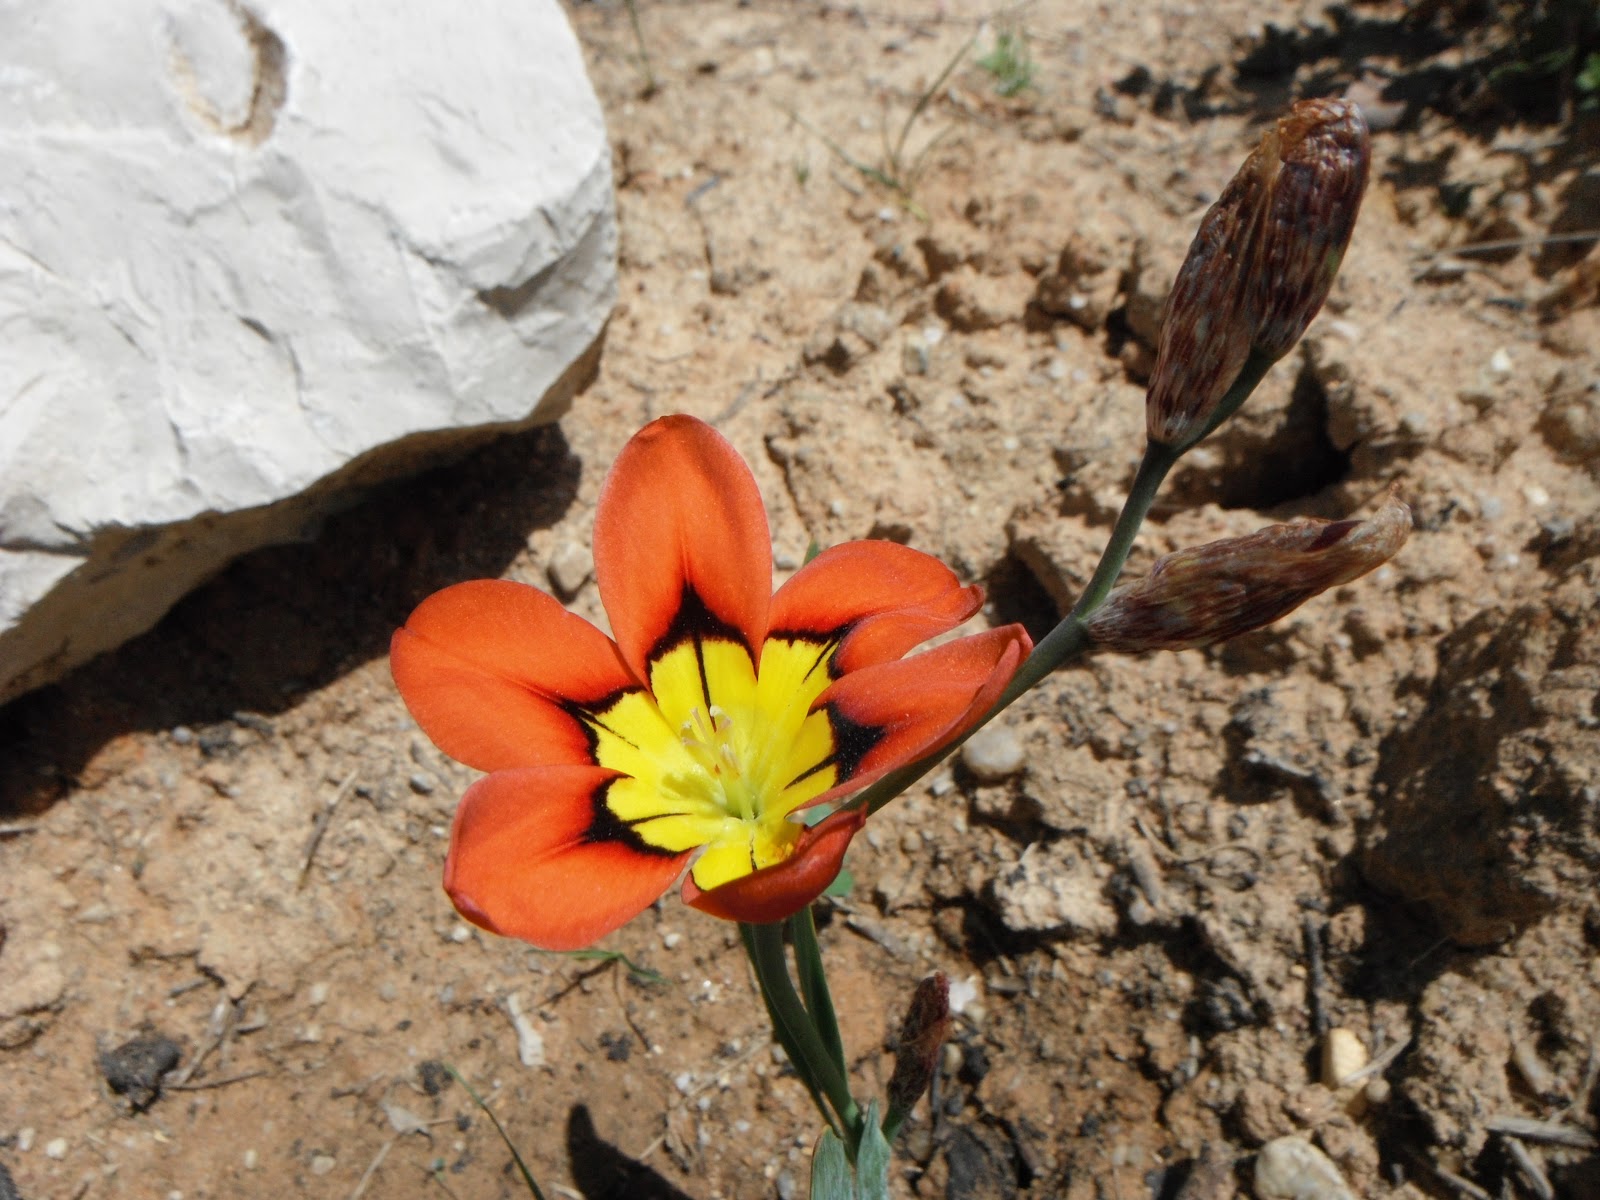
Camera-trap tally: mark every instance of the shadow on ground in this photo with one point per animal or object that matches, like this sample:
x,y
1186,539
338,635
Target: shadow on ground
x,y
602,1172
289,619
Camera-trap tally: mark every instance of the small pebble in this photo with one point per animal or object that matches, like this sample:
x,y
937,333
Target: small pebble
x,y
993,754
1291,1168
317,995
56,1148
1342,1056
1500,363
183,735
251,1158
570,567
788,1189
25,1138
671,939
421,784
321,1164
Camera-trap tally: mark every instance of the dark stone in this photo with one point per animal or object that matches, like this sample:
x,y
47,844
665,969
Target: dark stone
x,y
134,1070
433,1076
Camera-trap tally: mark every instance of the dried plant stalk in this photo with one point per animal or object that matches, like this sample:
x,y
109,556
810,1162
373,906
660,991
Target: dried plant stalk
x,y
1208,594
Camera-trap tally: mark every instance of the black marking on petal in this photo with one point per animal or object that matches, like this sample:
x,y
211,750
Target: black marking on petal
x,y
588,715
852,741
826,641
810,771
606,826
697,623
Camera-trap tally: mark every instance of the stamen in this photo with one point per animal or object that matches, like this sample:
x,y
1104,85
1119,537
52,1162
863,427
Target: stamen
x,y
708,737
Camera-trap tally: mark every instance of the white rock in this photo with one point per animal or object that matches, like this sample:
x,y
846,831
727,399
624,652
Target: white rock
x,y
993,754
242,248
1291,1168
1053,887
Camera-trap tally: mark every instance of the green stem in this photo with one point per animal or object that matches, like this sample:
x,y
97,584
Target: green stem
x,y
1253,372
814,983
1067,640
796,1030
780,1031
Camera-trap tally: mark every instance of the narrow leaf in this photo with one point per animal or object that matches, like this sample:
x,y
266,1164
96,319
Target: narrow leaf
x,y
831,1178
527,1175
872,1159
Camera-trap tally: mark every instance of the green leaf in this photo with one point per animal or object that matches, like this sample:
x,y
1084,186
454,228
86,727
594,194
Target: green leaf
x,y
1589,78
872,1159
831,1177
814,984
611,956
527,1175
842,883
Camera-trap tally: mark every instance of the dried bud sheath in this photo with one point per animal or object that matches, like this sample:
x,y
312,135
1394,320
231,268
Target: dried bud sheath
x,y
922,1035
1260,266
1210,593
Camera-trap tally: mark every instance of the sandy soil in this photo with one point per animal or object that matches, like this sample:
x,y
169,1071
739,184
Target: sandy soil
x,y
1382,816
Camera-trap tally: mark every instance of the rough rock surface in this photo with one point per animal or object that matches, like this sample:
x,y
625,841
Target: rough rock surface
x,y
253,258
1501,828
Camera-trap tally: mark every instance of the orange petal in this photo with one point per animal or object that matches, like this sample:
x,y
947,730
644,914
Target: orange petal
x,y
895,713
680,542
492,669
881,598
535,854
780,891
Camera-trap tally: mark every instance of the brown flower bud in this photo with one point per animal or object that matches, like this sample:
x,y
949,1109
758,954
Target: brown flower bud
x,y
1260,266
922,1034
1211,593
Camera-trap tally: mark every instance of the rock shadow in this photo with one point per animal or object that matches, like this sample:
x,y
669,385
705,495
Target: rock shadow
x,y
285,620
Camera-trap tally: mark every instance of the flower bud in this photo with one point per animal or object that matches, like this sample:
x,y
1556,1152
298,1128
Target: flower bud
x,y
922,1034
1210,593
1260,266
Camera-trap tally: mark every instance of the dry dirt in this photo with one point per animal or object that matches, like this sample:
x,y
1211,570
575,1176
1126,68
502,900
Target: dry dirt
x,y
1382,815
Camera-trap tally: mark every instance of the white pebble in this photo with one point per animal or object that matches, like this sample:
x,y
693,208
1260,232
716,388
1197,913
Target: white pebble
x,y
1342,1056
318,995
251,1159
671,939
1291,1168
56,1148
322,1164
25,1139
684,1081
993,754
1535,495
1500,363
460,934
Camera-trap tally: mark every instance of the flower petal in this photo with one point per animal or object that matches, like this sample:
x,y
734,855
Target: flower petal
x,y
897,712
494,672
879,598
535,854
681,546
780,891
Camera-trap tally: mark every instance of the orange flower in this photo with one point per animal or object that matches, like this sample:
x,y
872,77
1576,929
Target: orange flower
x,y
696,737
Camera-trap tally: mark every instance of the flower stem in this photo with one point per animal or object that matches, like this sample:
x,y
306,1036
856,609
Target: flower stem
x,y
1070,638
797,1032
814,982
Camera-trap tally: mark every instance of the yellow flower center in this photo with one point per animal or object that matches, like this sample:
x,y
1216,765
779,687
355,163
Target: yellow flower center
x,y
721,754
